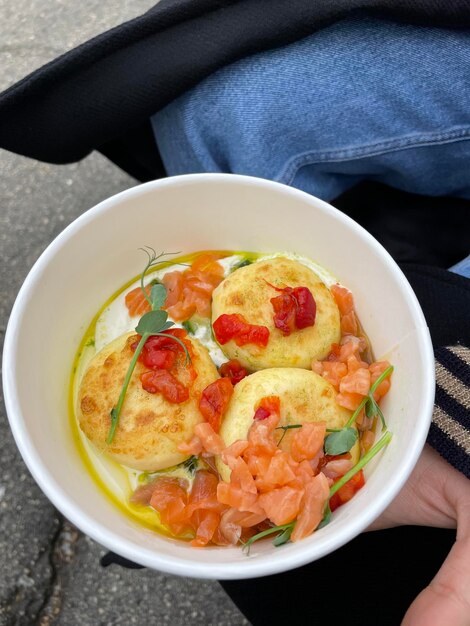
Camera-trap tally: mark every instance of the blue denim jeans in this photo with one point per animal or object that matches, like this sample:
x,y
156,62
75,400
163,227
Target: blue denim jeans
x,y
362,99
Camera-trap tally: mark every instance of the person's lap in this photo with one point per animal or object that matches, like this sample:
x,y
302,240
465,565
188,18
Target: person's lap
x,y
360,99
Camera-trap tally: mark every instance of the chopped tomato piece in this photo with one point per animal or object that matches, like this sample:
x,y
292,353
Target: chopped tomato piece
x,y
269,405
214,401
162,381
261,413
156,359
306,307
284,313
294,308
233,370
159,351
347,491
234,326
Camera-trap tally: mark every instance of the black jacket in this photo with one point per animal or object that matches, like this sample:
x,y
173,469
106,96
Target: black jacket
x,y
100,95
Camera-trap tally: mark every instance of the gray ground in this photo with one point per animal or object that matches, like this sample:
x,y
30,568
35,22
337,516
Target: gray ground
x,y
50,572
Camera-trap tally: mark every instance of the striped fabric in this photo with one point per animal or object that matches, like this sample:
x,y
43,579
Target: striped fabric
x,y
450,429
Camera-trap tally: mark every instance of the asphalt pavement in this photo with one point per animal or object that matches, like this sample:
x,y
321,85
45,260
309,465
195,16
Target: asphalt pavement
x,y
50,573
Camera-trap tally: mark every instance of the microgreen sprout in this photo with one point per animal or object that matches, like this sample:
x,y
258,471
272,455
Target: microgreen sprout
x,y
153,259
285,429
265,533
152,323
285,530
191,464
240,264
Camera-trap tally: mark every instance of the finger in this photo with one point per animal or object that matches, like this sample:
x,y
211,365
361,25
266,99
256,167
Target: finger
x,y
424,500
447,598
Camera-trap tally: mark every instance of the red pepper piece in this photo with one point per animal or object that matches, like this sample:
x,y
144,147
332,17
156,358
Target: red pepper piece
x,y
261,414
267,406
214,401
284,313
234,370
161,351
162,381
294,308
306,307
234,326
347,491
157,359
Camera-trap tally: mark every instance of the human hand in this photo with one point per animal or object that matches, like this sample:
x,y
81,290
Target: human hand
x,y
437,495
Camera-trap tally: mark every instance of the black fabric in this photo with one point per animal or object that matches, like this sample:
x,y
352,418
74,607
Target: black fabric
x,y
427,230
110,558
371,581
451,406
101,95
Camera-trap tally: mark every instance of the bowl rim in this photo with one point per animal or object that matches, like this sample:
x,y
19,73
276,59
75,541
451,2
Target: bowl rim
x,y
106,537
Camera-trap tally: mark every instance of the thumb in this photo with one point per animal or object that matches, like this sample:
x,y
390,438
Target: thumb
x,y
446,600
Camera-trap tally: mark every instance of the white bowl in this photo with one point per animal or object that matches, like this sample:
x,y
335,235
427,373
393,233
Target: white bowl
x,y
97,254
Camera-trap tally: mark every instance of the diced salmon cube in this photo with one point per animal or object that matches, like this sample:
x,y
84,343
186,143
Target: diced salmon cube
x,y
281,505
307,441
343,297
313,504
357,382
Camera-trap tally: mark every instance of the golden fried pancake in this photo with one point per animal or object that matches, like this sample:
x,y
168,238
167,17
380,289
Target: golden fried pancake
x,y
150,428
247,292
304,397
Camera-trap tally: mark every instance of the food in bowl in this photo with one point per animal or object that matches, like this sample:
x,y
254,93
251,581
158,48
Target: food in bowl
x,y
249,292
243,405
